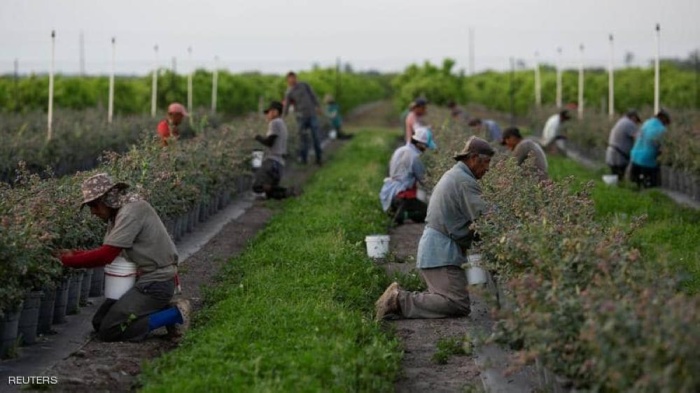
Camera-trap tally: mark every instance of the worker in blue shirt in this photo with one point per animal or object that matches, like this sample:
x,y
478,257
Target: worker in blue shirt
x,y
646,150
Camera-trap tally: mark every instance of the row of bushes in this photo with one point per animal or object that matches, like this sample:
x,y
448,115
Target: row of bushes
x,y
237,93
633,87
78,140
81,132
585,302
40,216
680,144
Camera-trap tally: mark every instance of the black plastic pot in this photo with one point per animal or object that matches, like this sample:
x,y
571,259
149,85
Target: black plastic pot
x,y
85,287
29,318
59,311
73,305
48,302
98,282
8,331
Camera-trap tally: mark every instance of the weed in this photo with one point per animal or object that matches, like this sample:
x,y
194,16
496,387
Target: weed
x,y
447,347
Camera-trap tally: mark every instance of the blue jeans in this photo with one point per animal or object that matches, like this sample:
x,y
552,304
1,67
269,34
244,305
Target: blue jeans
x,y
308,123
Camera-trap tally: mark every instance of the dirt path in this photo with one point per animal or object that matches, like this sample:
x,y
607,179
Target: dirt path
x,y
420,337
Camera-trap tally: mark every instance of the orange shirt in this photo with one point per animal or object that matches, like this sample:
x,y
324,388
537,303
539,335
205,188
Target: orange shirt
x,y
165,130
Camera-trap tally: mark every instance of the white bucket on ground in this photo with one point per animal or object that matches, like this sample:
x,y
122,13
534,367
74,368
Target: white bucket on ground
x,y
258,158
475,274
610,180
377,246
120,276
333,134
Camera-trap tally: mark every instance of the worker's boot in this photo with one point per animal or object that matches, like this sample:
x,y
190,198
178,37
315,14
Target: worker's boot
x,y
177,331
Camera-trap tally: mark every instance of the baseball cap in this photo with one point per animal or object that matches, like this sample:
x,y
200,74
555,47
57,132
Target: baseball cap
x,y
632,113
274,105
510,132
425,135
176,107
475,145
420,102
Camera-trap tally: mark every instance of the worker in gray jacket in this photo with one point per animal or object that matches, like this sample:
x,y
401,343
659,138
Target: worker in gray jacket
x,y
455,203
306,108
620,142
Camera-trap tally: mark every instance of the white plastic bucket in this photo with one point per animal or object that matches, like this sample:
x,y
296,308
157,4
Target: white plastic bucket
x,y
258,158
120,276
377,246
333,134
475,274
610,180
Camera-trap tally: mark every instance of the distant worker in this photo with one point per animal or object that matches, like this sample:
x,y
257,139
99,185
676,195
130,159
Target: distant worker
x,y
524,148
455,204
333,114
404,115
456,112
135,232
169,127
552,138
414,119
486,129
646,150
269,175
399,194
306,108
620,142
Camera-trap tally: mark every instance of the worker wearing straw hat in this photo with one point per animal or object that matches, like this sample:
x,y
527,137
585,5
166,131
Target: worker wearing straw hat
x,y
135,232
169,127
456,202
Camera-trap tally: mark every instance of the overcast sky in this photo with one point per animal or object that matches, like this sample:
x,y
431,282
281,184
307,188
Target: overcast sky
x,y
387,35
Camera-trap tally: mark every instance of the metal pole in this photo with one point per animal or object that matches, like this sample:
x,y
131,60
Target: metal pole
x,y
611,79
110,109
154,85
697,79
512,92
471,51
538,86
657,93
16,82
82,54
580,84
51,71
337,80
189,81
559,98
214,84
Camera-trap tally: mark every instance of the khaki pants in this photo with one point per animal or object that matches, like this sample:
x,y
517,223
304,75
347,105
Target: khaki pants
x,y
447,295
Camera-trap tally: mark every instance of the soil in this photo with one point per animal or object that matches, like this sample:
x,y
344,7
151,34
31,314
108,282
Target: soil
x,y
115,367
419,337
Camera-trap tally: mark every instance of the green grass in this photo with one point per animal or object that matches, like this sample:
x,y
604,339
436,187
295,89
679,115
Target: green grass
x,y
294,313
671,232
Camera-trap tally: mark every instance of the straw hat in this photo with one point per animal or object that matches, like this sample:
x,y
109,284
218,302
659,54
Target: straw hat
x,y
97,186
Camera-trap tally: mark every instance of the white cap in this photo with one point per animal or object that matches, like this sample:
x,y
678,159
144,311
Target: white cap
x,y
424,135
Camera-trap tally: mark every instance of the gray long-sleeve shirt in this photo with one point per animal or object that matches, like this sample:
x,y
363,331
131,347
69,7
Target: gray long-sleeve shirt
x,y
454,204
620,141
303,98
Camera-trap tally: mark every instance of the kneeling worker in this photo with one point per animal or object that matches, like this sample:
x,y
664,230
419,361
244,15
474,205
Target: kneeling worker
x,y
268,177
523,148
399,194
134,231
456,202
